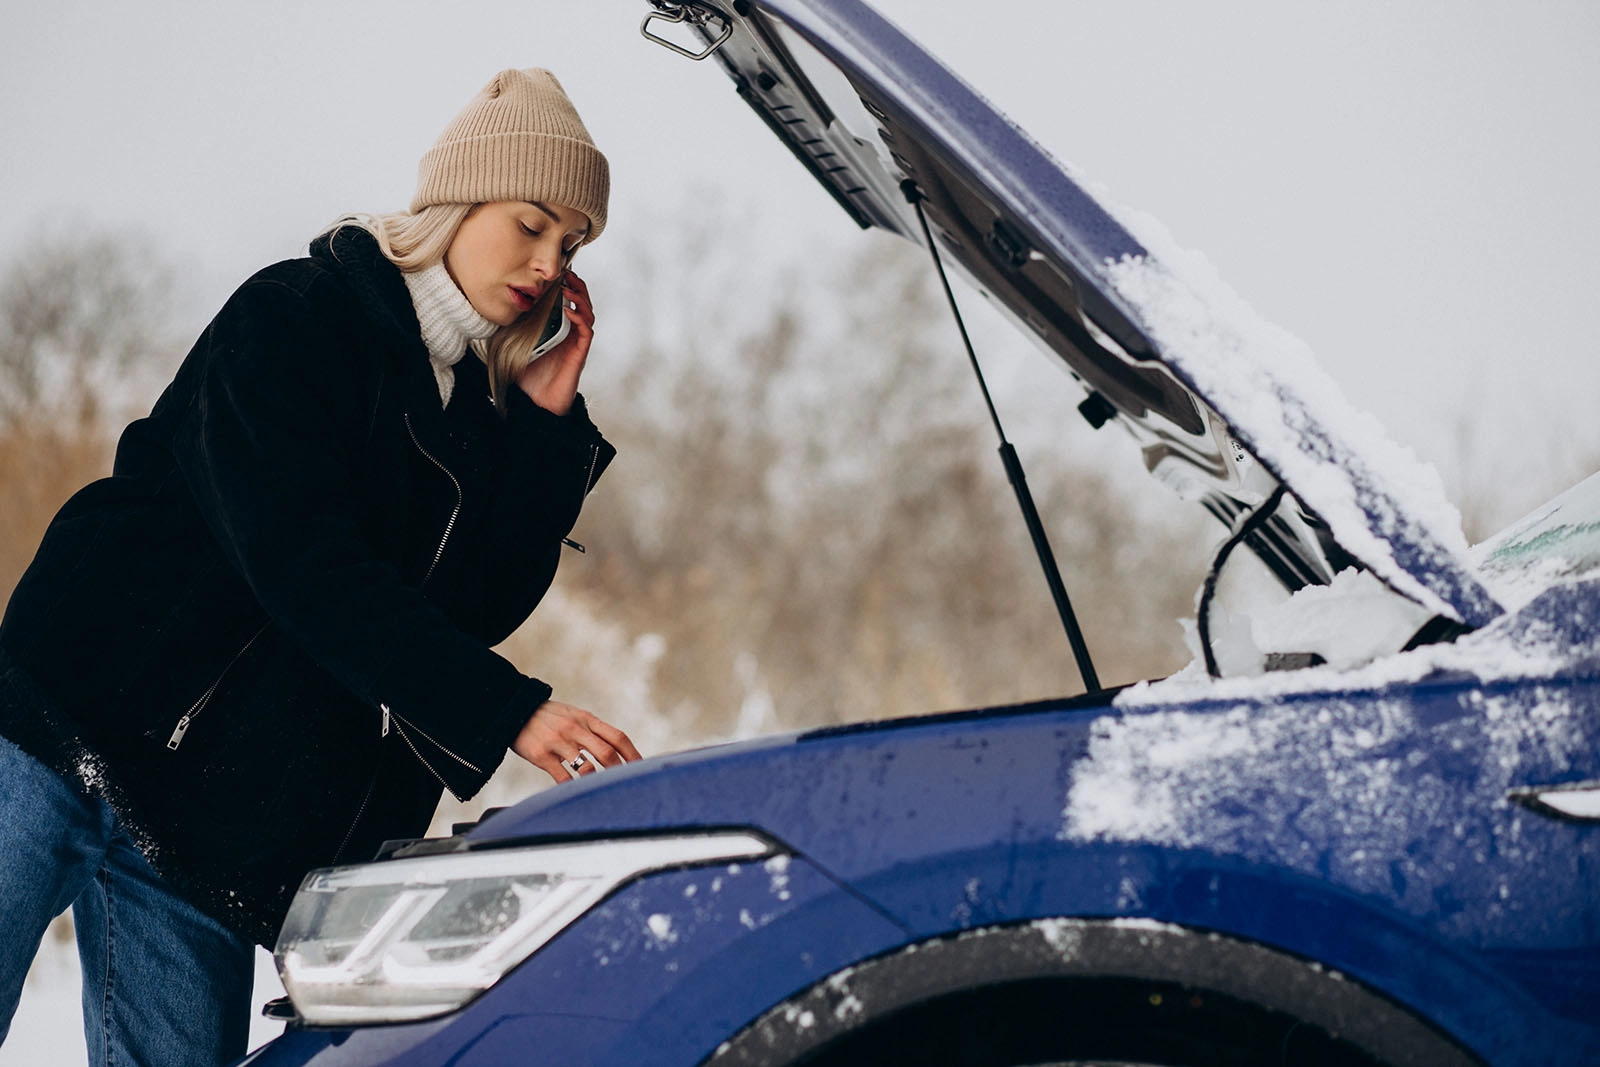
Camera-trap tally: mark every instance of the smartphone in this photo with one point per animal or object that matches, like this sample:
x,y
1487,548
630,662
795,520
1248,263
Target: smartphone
x,y
556,327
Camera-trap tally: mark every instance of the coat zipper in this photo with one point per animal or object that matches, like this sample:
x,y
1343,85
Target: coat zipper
x,y
372,783
205,698
588,483
401,730
388,716
399,721
422,759
455,512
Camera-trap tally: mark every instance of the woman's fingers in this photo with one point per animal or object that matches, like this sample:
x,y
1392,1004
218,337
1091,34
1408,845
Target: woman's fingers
x,y
550,765
601,751
579,311
616,737
557,734
576,292
573,352
582,328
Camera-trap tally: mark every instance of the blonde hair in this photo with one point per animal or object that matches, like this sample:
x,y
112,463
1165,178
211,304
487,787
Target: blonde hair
x,y
415,241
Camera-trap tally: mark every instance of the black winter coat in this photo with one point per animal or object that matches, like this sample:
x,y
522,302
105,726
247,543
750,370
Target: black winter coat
x,y
265,638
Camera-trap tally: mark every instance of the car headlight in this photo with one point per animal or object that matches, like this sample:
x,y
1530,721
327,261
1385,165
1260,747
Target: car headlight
x,y
412,938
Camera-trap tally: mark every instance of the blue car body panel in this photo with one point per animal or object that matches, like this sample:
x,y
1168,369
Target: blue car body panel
x,y
1479,915
617,989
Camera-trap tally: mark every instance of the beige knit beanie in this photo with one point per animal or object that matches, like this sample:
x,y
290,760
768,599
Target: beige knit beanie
x,y
519,139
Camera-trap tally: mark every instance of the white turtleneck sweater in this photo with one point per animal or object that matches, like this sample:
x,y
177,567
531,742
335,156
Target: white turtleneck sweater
x,y
448,322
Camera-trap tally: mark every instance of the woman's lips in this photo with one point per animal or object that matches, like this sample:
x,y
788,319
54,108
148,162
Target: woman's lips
x,y
523,298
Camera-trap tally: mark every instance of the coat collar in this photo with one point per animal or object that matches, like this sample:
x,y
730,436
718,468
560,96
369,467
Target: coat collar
x,y
467,437
352,254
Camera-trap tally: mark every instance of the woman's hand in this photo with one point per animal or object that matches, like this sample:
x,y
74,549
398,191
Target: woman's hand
x,y
557,731
551,381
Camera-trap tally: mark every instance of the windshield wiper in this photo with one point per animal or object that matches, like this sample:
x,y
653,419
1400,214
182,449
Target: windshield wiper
x,y
1013,465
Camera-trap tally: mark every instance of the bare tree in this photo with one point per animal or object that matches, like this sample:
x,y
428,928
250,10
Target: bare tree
x,y
85,335
809,520
1493,487
82,321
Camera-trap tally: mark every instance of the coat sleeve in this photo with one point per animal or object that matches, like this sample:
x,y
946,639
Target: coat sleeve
x,y
265,447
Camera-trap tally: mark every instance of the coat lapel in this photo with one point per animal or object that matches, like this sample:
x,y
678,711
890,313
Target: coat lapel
x,y
385,302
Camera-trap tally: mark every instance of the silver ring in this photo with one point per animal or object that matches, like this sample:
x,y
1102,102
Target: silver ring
x,y
575,765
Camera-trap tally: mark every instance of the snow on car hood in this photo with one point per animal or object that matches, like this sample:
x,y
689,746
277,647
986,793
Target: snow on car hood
x,y
1370,764
1222,405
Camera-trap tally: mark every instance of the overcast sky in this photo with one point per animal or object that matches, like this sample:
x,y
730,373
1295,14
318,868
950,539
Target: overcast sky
x,y
1411,187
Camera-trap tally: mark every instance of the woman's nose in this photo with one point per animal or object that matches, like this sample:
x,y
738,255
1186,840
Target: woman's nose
x,y
546,264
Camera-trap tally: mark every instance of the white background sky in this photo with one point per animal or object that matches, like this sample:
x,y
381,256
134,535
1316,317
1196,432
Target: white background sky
x,y
1410,187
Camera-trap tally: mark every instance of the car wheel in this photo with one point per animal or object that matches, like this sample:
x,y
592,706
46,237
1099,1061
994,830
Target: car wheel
x,y
1084,1021
1073,991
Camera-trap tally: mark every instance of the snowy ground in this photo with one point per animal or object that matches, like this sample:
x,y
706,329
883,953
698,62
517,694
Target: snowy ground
x,y
48,1028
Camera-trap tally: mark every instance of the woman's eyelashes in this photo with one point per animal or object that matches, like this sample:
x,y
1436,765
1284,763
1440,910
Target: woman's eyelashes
x,y
566,249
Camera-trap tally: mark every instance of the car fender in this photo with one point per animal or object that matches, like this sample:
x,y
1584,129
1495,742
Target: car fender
x,y
1088,949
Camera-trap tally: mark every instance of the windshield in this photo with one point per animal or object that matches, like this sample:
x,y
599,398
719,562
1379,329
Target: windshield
x,y
1557,542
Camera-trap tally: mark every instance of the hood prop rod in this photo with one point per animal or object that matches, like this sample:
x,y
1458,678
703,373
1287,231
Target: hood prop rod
x,y
1013,465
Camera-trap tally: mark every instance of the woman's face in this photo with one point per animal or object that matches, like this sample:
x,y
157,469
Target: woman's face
x,y
508,252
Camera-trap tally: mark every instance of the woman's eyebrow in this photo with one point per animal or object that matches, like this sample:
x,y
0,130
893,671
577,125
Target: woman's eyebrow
x,y
554,217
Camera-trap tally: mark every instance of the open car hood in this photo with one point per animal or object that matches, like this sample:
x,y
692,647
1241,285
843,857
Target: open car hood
x,y
1223,406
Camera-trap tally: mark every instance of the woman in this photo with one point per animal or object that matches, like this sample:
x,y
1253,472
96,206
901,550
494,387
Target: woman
x,y
263,644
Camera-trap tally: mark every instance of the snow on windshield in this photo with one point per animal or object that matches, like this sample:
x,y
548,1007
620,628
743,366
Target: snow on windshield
x,y
1383,505
1555,632
1559,541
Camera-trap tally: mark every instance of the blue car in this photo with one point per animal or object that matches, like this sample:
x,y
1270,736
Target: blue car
x,y
1359,829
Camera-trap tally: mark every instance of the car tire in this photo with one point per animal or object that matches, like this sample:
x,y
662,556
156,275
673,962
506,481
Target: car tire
x,y
1068,991
1083,1021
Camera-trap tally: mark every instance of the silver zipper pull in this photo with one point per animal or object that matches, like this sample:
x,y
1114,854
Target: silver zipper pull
x,y
385,709
177,733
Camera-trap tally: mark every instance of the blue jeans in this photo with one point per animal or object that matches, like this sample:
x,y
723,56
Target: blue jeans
x,y
163,984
